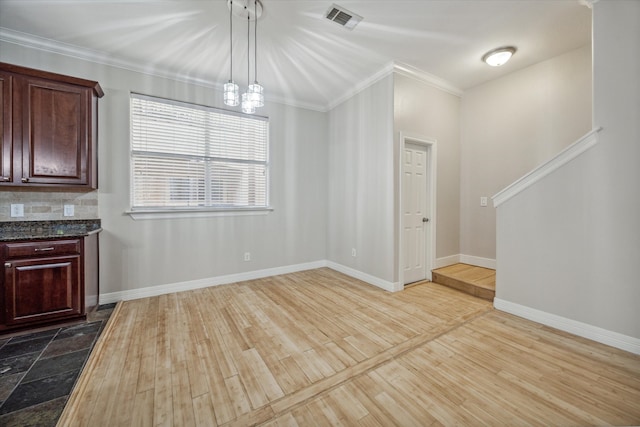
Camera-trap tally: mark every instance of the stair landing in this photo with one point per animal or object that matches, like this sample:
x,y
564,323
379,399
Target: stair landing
x,y
477,281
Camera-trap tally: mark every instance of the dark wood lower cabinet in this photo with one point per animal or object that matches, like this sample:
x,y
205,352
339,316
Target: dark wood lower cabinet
x,y
42,289
44,281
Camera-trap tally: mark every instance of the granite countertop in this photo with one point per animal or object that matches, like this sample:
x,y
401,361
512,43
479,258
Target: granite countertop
x,y
28,230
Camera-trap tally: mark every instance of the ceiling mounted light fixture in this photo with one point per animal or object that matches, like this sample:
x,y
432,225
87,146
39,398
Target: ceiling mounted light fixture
x,y
253,98
499,56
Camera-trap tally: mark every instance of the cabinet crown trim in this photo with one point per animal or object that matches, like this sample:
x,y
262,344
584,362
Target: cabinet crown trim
x,y
11,68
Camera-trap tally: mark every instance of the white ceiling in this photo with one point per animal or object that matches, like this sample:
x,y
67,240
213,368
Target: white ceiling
x,y
302,57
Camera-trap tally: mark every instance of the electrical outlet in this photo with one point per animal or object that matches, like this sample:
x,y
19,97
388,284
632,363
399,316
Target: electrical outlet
x,y
69,210
353,252
483,201
247,256
17,210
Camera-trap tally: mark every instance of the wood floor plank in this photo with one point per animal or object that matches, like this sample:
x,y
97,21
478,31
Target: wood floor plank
x,y
224,407
143,409
163,401
320,348
183,411
203,410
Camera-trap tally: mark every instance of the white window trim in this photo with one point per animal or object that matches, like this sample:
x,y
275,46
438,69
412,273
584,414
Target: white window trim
x,y
200,212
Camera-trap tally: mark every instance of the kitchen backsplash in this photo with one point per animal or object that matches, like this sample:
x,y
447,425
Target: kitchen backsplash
x,y
42,206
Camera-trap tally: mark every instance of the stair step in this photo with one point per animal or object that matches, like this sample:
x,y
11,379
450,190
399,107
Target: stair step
x,y
477,281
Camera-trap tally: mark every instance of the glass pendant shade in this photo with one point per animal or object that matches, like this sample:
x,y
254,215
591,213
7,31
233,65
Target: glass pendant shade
x,y
247,104
256,94
231,94
253,98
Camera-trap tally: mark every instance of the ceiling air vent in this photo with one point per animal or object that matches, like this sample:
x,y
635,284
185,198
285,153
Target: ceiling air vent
x,y
342,17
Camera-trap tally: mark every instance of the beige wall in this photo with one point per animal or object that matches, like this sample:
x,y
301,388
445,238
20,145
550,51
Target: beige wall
x,y
146,253
569,245
360,208
421,109
511,125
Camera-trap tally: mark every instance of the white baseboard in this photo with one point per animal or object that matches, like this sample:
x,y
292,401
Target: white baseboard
x,y
465,259
614,339
478,261
153,291
447,260
372,280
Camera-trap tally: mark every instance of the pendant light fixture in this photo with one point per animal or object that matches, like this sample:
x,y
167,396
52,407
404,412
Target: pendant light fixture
x,y
256,91
254,96
231,90
248,107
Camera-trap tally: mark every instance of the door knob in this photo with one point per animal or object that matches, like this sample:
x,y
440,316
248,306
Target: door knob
x,y
425,219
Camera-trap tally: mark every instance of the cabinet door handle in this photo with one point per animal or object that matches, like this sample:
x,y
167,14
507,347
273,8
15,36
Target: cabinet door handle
x,y
44,249
5,179
25,179
7,265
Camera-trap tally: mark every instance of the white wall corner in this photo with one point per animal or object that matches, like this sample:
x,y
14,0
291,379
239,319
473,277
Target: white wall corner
x,y
446,261
588,3
372,280
478,261
614,339
190,285
374,78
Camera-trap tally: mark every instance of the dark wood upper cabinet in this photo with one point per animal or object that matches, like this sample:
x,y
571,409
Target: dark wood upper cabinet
x,y
6,136
49,129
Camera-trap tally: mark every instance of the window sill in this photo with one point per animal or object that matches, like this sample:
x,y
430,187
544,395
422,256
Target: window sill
x,y
200,213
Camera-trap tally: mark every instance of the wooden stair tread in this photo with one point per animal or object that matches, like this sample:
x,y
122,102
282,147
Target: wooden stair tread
x,y
476,281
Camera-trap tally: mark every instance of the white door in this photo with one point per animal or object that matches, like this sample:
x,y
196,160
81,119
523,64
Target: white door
x,y
414,212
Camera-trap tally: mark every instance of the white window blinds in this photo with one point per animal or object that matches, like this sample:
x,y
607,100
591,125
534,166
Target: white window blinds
x,y
186,156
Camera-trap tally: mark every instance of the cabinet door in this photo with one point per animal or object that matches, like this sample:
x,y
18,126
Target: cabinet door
x,y
55,136
6,137
37,290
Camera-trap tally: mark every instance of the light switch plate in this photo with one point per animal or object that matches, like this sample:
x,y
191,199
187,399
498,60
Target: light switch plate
x,y
17,210
69,210
483,201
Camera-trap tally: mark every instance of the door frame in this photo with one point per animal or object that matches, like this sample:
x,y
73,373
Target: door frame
x,y
430,234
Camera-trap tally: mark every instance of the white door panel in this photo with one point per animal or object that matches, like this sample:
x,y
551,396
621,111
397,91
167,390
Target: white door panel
x,y
414,201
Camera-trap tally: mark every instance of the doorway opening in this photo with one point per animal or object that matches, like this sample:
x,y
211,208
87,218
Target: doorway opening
x,y
417,210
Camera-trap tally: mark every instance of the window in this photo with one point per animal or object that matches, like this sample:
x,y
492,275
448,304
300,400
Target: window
x,y
191,157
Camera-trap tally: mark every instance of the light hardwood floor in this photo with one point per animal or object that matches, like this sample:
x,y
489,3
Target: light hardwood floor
x,y
319,348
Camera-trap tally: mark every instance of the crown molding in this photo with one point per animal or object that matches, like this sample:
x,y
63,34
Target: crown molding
x,y
98,57
404,70
73,51
426,78
374,78
588,3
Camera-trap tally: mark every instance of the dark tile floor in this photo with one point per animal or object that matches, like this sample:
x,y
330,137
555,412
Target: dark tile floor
x,y
38,370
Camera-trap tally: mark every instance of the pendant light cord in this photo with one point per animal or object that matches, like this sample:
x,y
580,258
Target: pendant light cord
x,y
255,42
248,47
231,40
